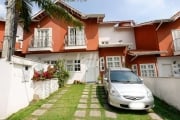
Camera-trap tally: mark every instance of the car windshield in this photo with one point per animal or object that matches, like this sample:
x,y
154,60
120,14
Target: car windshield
x,y
124,77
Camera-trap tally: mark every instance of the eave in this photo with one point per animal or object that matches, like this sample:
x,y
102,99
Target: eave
x,y
136,53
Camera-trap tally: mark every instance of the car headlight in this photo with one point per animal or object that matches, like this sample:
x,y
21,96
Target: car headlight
x,y
149,94
114,92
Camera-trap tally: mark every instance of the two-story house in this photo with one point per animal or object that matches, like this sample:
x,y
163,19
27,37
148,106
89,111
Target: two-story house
x,y
50,40
115,39
19,37
157,48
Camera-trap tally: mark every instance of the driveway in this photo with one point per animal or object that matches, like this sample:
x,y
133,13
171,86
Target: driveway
x,y
84,102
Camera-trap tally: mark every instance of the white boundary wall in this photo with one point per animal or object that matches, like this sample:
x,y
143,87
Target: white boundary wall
x,y
17,88
166,89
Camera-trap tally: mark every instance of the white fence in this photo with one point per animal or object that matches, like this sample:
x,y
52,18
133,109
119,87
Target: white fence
x,y
167,89
16,87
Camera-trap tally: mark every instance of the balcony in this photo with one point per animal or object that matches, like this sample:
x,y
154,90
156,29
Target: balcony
x,y
75,42
41,43
177,46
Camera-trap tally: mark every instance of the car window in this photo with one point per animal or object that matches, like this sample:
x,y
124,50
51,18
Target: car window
x,y
124,77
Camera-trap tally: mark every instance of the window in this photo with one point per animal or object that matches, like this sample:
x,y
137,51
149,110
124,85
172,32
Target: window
x,y
176,39
76,36
101,64
113,61
134,69
52,62
176,70
148,70
42,37
73,65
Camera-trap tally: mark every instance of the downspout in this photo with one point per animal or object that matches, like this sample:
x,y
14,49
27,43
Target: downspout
x,y
159,25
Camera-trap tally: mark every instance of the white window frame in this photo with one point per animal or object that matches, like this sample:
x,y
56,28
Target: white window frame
x,y
134,68
148,70
76,36
42,39
101,64
176,70
73,65
176,39
113,62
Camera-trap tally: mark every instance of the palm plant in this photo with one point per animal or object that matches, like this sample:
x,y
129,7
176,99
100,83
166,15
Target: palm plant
x,y
20,11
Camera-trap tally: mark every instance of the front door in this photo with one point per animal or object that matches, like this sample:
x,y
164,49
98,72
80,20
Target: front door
x,y
91,74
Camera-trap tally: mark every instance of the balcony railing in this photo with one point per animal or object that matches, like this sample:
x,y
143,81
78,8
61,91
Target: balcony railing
x,y
75,43
41,43
177,46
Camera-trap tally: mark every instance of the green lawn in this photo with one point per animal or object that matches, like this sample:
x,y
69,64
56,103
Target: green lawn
x,y
65,107
166,111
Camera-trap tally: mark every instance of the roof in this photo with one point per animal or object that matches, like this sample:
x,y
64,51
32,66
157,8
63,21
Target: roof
x,y
41,14
171,19
138,53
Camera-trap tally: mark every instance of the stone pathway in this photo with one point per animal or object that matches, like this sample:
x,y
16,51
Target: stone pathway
x,y
92,104
45,107
89,105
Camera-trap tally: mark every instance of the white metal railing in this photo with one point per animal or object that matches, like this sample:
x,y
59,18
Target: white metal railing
x,y
74,41
41,42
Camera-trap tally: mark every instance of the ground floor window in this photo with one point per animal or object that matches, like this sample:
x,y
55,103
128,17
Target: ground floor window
x,y
101,64
52,62
148,70
134,69
113,61
176,70
73,65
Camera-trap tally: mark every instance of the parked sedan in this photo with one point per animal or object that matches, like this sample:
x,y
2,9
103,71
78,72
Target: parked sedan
x,y
126,90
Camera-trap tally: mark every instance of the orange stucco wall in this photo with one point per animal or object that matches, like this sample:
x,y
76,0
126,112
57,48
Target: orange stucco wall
x,y
2,25
146,38
165,36
59,30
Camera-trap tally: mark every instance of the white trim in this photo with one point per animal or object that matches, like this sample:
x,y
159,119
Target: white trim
x,y
113,61
101,64
134,68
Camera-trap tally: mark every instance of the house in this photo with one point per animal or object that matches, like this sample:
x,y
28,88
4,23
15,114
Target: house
x,y
115,39
19,37
2,25
157,48
50,40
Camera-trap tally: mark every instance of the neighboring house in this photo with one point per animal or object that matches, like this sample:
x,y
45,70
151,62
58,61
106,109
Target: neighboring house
x,y
115,39
157,48
2,25
50,40
19,37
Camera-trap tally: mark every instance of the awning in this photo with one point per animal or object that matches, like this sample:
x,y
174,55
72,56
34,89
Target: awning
x,y
142,53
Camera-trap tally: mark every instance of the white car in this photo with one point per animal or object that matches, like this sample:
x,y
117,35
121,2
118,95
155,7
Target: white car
x,y
126,90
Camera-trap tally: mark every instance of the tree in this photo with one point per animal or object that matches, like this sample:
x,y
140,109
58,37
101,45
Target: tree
x,y
20,11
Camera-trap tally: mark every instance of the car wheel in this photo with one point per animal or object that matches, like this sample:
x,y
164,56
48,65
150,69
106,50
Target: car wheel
x,y
108,99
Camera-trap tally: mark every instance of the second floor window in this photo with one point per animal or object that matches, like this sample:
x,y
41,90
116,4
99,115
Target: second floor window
x,y
42,37
76,36
176,39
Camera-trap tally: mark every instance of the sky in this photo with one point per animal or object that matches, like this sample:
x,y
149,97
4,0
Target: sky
x,y
118,10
